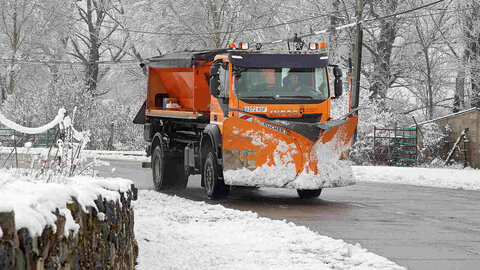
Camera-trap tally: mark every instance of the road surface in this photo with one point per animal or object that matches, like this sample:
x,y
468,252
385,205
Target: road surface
x,y
416,227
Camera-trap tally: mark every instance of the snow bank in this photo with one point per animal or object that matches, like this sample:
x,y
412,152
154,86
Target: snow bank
x,y
430,177
34,203
175,233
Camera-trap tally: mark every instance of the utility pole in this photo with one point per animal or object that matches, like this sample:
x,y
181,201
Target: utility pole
x,y
357,58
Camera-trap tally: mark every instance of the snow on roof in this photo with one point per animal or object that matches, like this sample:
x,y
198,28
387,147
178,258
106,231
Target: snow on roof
x,y
450,115
183,59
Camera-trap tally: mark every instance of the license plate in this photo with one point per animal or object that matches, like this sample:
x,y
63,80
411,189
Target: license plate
x,y
254,109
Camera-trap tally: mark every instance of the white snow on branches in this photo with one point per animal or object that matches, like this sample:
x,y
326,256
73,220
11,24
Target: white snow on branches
x,y
10,124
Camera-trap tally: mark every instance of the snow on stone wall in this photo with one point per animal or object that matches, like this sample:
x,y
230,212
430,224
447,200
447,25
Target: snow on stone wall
x,y
86,223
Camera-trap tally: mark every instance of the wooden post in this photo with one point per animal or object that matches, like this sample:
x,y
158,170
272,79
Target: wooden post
x,y
357,58
374,145
110,141
15,147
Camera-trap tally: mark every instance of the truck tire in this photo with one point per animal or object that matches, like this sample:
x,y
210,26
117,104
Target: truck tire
x,y
168,172
309,193
161,179
215,188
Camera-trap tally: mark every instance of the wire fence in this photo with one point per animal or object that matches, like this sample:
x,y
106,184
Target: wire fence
x,y
11,138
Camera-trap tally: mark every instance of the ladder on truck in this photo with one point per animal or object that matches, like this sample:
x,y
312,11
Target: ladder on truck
x,y
395,147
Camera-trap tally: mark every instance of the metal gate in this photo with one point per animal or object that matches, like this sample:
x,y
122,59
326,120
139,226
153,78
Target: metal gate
x,y
395,147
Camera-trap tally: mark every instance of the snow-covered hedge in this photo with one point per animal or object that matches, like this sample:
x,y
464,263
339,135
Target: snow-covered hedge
x,y
433,142
84,223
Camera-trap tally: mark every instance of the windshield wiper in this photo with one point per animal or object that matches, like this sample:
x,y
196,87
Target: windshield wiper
x,y
269,97
299,97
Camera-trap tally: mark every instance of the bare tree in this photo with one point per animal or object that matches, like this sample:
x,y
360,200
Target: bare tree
x,y
213,23
17,27
379,42
472,47
430,77
96,38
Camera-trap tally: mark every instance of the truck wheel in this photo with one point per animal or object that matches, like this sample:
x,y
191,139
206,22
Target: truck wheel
x,y
161,180
309,193
215,188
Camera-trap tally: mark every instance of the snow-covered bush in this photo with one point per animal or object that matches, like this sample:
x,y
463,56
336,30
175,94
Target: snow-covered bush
x,y
434,142
372,114
120,112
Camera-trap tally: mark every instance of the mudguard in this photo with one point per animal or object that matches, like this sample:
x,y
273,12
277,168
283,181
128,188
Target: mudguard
x,y
215,136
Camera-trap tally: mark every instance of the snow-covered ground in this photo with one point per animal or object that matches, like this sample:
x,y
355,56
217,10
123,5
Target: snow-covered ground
x,y
176,233
429,177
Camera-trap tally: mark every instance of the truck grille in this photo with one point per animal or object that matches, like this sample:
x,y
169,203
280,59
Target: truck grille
x,y
305,118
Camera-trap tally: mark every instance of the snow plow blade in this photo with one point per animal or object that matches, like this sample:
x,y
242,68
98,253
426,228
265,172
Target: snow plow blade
x,y
264,153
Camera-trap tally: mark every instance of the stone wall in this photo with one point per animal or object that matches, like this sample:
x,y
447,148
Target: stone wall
x,y
470,120
105,239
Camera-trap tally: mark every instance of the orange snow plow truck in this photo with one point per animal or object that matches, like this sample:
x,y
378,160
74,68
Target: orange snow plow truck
x,y
242,117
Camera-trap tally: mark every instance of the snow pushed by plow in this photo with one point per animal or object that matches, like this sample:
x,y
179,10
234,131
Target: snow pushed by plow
x,y
332,172
176,233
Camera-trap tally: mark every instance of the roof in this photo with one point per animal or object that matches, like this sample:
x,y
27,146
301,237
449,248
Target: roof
x,y
183,59
277,60
260,59
450,115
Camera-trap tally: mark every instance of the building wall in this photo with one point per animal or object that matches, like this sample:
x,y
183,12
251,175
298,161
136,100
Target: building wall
x,y
458,123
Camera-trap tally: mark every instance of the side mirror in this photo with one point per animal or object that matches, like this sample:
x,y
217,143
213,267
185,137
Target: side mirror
x,y
214,80
338,84
214,85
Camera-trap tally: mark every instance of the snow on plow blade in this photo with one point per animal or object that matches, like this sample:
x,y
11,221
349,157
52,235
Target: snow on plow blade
x,y
259,152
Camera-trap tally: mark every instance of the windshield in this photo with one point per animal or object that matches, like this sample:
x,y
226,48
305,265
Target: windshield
x,y
304,83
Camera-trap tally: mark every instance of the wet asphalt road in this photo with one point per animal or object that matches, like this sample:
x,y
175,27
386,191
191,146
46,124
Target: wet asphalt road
x,y
416,227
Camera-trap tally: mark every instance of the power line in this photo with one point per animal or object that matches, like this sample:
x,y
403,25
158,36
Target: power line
x,y
274,25
256,28
433,14
327,30
405,12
